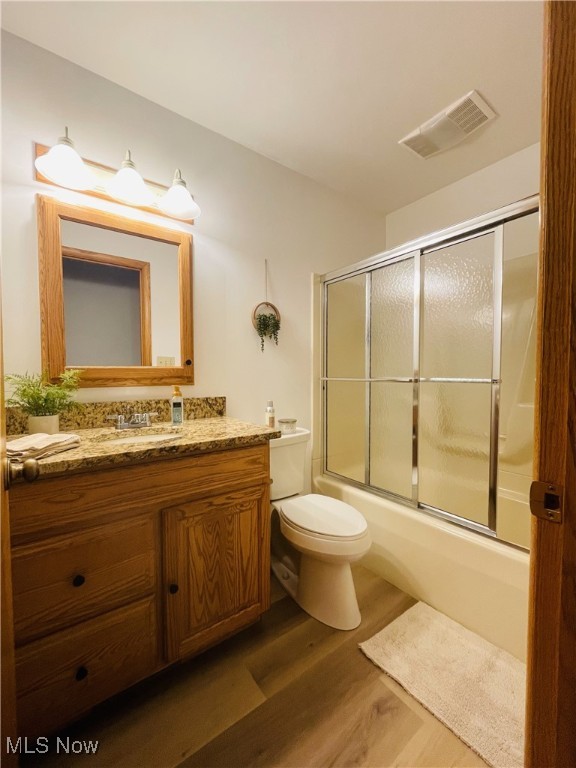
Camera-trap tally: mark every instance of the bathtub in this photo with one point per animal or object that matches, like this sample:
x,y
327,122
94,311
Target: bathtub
x,y
477,581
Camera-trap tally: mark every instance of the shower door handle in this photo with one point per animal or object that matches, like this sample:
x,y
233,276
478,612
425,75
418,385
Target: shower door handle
x,y
546,501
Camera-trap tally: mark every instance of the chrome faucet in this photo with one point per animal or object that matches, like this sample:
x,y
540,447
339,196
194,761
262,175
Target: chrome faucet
x,y
135,421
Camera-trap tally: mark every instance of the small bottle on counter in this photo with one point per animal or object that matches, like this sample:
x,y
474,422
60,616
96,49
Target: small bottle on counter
x,y
270,417
177,406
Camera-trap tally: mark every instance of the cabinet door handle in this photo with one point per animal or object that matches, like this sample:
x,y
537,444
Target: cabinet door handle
x,y
78,580
81,673
173,588
13,470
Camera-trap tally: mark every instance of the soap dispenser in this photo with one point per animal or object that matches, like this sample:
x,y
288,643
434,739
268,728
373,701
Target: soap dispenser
x,y
177,406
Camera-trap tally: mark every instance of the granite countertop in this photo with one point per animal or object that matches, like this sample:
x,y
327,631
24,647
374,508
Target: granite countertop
x,y
100,448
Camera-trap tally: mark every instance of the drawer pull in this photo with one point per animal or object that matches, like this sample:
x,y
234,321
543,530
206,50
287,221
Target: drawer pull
x,y
173,588
81,673
78,580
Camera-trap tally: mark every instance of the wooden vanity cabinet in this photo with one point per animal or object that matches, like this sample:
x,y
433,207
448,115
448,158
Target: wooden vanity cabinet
x,y
120,572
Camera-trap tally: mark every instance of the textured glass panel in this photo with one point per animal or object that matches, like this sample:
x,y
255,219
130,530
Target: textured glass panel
x,y
391,436
345,431
457,310
392,320
346,328
518,374
454,448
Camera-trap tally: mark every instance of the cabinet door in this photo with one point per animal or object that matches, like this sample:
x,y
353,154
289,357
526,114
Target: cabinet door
x,y
217,557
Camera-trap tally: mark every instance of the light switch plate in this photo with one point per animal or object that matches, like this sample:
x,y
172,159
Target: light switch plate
x,y
165,362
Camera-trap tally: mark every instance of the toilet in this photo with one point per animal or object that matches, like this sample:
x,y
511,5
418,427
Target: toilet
x,y
314,538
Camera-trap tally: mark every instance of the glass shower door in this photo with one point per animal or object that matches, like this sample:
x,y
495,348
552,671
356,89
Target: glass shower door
x,y
392,378
459,378
518,373
429,374
345,394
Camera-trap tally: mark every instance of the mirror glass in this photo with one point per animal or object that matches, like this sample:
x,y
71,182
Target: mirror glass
x,y
88,286
119,284
116,297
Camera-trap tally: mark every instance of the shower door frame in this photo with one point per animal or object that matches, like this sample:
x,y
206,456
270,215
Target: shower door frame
x,y
492,222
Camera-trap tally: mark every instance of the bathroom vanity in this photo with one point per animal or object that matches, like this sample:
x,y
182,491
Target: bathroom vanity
x,y
130,557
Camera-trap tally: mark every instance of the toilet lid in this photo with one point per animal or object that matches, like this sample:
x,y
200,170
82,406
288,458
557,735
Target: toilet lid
x,y
324,515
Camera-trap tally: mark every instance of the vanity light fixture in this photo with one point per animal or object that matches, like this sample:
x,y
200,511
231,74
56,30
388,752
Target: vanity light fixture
x,y
178,202
128,186
63,166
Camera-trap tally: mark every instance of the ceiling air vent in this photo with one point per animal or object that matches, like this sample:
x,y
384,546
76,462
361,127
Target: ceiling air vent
x,y
449,127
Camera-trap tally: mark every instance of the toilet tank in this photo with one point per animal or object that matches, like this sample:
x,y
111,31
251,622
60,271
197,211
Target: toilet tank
x,y
287,463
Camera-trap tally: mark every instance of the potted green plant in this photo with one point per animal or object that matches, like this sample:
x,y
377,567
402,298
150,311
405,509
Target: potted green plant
x,y
41,400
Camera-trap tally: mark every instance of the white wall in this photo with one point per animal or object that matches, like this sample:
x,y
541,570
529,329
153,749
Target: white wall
x,y
252,209
511,179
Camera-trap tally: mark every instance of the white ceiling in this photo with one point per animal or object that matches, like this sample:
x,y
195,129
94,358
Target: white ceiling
x,y
324,88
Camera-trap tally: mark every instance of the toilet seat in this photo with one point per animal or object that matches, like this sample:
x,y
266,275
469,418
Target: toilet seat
x,y
323,517
289,526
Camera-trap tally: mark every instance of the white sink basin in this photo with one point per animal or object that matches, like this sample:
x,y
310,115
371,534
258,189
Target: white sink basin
x,y
135,439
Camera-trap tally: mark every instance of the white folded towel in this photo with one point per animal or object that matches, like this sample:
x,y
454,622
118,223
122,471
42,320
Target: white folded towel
x,y
39,445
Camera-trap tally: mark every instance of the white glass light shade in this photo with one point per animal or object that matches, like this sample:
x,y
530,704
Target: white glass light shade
x,y
178,202
128,186
63,166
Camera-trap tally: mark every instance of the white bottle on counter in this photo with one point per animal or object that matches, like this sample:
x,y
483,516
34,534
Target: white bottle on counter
x,y
177,406
270,417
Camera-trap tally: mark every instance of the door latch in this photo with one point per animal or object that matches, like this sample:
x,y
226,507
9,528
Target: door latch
x,y
546,501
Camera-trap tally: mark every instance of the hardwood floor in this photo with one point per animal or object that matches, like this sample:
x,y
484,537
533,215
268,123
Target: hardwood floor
x,y
287,692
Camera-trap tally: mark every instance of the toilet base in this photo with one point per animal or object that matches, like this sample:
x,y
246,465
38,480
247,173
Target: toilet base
x,y
286,577
325,590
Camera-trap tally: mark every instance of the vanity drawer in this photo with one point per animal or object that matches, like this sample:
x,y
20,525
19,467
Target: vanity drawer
x,y
62,676
63,580
55,506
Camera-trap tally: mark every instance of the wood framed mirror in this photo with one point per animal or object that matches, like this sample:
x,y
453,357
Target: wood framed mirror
x,y
115,298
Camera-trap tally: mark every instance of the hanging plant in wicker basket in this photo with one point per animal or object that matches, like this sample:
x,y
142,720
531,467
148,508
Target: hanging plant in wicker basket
x,y
266,320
